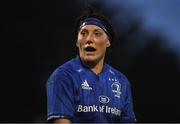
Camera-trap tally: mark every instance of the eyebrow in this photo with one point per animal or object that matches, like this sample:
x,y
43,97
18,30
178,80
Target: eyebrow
x,y
94,30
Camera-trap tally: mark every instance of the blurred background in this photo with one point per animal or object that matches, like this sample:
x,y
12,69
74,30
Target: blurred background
x,y
38,36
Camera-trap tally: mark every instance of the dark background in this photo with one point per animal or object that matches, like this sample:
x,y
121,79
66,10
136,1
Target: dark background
x,y
38,36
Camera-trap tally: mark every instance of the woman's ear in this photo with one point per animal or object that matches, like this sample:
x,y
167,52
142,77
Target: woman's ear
x,y
108,44
77,45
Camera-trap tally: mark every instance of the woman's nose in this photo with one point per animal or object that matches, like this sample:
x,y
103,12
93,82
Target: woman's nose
x,y
89,39
89,42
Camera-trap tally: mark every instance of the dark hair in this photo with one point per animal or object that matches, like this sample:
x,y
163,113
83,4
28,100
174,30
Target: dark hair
x,y
90,12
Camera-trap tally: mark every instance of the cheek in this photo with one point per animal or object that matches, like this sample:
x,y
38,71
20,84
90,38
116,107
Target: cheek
x,y
102,45
79,42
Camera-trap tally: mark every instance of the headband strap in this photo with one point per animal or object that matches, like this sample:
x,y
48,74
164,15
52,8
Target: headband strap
x,y
94,21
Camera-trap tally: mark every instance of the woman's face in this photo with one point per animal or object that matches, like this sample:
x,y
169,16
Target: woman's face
x,y
92,42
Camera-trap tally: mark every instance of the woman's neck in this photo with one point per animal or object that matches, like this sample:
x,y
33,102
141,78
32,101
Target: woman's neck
x,y
96,67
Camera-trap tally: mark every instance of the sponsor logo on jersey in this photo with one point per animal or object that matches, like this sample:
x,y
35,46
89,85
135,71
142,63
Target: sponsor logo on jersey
x,y
104,99
86,86
95,108
116,89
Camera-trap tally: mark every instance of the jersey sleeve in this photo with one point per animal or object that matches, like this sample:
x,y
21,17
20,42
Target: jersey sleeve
x,y
128,115
60,103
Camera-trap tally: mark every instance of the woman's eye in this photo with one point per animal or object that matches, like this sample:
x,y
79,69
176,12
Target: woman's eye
x,y
83,33
97,33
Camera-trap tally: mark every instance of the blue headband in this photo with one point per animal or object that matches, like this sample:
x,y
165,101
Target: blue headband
x,y
93,21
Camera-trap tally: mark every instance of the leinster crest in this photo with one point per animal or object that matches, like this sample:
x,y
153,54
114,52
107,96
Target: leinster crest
x,y
116,89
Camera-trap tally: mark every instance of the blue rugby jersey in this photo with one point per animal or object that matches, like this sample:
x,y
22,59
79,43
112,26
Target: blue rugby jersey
x,y
76,93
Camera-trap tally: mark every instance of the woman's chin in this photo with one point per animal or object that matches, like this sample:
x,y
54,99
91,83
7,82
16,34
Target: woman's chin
x,y
89,60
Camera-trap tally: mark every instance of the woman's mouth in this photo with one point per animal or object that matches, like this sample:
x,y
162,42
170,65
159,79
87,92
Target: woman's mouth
x,y
90,49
